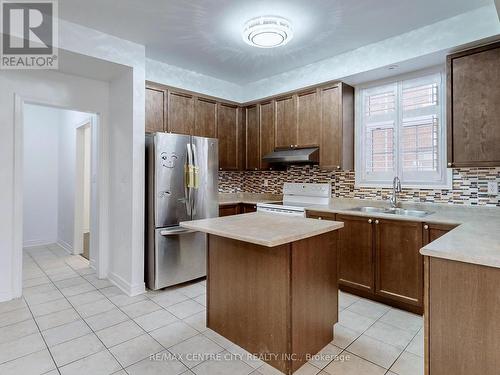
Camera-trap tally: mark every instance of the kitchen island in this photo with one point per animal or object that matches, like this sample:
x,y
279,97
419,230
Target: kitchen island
x,y
272,284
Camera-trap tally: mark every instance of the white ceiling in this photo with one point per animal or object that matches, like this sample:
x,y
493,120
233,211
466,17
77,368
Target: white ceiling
x,y
205,35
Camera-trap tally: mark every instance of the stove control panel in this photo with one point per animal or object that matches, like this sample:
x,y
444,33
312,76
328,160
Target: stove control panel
x,y
307,190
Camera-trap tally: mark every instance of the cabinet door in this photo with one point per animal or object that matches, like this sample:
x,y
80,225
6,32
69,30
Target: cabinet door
x,y
399,265
266,132
180,113
205,118
331,128
286,122
433,231
253,136
227,132
247,208
155,110
473,108
229,210
308,118
356,258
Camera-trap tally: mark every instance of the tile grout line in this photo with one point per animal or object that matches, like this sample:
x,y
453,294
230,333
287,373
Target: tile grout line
x,y
83,319
41,335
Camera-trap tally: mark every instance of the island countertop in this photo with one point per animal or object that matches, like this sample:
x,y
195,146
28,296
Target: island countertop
x,y
263,229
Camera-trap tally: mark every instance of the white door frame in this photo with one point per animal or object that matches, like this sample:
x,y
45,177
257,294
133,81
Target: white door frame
x,y
79,181
100,238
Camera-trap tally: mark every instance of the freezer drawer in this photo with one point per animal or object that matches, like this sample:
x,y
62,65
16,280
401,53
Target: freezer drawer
x,y
180,256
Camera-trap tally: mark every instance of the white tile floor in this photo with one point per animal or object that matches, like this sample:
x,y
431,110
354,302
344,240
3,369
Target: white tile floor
x,y
70,322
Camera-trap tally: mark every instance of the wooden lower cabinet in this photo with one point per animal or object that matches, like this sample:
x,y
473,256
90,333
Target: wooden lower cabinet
x,y
433,231
229,210
380,259
355,251
462,319
247,208
399,265
236,209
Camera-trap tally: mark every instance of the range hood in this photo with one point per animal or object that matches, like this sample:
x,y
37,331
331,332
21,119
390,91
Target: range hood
x,y
306,155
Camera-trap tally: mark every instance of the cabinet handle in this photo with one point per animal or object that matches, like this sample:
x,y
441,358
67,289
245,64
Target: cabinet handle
x,y
370,221
320,218
376,221
338,166
220,169
426,227
450,164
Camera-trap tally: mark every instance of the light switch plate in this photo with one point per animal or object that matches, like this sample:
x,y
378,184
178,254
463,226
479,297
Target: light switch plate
x,y
492,188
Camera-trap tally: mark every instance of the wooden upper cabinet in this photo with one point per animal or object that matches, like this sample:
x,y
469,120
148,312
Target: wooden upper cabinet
x,y
180,113
228,133
286,122
355,253
399,265
473,91
155,110
252,138
308,118
337,127
205,120
267,131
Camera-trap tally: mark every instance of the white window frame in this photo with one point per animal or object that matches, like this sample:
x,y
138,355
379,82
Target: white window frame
x,y
419,180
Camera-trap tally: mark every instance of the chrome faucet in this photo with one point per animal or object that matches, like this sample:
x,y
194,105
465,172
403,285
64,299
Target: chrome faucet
x,y
396,188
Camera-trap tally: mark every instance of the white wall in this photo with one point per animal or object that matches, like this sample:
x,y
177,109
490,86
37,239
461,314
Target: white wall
x,y
50,175
41,157
35,86
128,131
441,36
157,71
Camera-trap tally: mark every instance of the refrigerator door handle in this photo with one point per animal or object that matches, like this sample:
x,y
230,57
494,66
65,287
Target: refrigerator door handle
x,y
195,183
175,231
188,178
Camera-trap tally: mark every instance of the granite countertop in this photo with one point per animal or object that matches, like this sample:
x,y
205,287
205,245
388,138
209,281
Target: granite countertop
x,y
475,240
262,228
247,198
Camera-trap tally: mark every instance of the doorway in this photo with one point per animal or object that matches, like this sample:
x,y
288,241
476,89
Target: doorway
x,y
83,189
60,185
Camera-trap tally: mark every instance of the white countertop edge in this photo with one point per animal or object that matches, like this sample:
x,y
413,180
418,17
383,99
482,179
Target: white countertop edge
x,y
329,227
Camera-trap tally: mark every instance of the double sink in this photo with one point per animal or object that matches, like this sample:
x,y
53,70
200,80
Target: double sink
x,y
393,211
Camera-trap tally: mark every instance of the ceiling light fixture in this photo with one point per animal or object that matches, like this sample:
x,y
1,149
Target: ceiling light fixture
x,y
267,32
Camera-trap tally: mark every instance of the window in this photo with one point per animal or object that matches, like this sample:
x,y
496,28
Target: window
x,y
402,133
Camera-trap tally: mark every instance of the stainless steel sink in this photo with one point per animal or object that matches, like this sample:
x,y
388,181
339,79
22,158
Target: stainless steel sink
x,y
393,211
404,212
369,209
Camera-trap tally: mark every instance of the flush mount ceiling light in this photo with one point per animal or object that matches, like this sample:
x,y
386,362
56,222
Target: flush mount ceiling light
x,y
267,32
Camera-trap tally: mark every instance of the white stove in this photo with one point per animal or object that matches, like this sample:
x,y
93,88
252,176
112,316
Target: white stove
x,y
296,197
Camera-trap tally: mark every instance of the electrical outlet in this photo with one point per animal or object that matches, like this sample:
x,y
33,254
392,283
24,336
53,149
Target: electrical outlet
x,y
492,188
266,182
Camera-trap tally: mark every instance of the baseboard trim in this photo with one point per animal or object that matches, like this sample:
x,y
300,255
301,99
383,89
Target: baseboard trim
x,y
66,246
39,242
5,296
127,288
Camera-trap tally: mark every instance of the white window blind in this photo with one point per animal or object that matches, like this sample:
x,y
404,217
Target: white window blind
x,y
402,130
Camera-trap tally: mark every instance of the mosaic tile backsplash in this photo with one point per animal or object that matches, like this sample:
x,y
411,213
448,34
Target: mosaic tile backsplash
x,y
470,185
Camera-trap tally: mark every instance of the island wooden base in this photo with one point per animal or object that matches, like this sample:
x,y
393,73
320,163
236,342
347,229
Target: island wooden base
x,y
279,303
462,318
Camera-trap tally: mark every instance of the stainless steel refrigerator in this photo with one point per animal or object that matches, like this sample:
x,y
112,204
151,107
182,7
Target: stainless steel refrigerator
x,y
181,185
